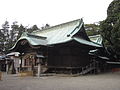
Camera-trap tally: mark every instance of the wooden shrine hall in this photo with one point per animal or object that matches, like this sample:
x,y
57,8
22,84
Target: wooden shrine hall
x,y
62,47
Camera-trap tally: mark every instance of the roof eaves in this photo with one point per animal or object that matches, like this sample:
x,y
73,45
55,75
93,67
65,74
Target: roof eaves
x,y
82,41
31,40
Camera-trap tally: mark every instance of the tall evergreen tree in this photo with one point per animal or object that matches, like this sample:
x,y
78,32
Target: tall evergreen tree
x,y
21,29
110,29
13,33
5,32
1,39
33,28
46,26
92,29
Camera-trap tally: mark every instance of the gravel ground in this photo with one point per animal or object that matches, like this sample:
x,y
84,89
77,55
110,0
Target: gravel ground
x,y
108,81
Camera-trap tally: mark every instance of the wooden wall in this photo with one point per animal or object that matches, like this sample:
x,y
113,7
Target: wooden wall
x,y
71,54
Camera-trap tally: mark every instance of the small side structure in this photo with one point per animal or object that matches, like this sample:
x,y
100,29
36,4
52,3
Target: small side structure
x,y
65,48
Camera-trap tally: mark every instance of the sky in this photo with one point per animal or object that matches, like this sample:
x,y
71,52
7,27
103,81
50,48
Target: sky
x,y
53,12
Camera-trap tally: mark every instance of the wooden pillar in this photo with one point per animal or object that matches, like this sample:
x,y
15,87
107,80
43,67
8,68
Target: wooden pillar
x,y
39,67
39,70
94,66
20,62
6,66
40,62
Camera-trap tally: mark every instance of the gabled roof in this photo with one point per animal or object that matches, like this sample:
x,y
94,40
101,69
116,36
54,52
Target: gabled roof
x,y
57,34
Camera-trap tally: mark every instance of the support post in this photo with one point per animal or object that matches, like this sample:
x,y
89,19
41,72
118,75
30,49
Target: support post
x,y
6,66
39,70
20,69
40,58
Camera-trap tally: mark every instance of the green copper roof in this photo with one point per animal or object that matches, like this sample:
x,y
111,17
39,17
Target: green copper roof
x,y
55,35
61,33
90,43
96,38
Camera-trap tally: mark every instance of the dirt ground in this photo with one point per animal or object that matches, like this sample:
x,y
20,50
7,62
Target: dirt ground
x,y
108,81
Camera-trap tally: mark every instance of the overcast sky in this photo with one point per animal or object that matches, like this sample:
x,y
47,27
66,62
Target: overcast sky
x,y
40,12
